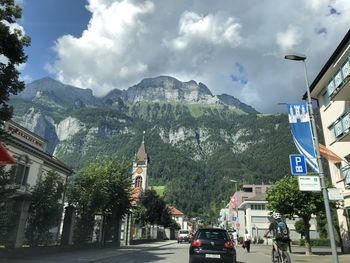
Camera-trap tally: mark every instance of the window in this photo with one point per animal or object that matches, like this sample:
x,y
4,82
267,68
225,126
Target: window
x,y
138,181
258,207
258,190
22,174
326,98
347,158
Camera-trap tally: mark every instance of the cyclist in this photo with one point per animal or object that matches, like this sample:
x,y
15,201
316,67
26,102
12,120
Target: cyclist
x,y
279,235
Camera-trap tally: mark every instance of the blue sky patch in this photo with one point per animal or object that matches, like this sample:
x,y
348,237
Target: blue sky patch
x,y
333,11
240,75
321,30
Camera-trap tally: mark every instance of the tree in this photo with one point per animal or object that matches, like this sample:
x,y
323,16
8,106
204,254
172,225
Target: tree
x,y
7,213
45,208
12,42
102,187
156,209
286,198
300,227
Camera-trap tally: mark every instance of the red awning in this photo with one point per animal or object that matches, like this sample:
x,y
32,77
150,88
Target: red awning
x,y
5,156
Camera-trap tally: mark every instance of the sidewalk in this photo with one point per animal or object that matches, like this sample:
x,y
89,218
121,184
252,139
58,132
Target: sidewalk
x,y
91,252
320,254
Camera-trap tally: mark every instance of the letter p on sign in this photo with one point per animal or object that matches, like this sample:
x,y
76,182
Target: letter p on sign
x,y
297,164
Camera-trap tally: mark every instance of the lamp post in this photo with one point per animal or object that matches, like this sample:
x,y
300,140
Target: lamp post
x,y
318,156
234,181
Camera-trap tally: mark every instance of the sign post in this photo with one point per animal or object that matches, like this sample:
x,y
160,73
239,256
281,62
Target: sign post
x,y
298,164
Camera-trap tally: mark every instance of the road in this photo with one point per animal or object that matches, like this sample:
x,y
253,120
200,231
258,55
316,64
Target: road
x,y
169,252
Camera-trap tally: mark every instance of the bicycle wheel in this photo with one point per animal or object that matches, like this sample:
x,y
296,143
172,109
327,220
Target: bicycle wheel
x,y
286,257
276,258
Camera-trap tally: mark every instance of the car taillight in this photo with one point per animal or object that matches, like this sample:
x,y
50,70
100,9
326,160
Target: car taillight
x,y
196,243
228,244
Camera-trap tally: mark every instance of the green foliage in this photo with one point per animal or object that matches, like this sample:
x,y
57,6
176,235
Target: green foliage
x,y
12,43
286,198
156,210
300,227
160,190
45,208
102,187
219,144
7,212
317,242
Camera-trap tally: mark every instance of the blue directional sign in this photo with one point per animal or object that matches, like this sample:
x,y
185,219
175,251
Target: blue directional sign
x,y
297,164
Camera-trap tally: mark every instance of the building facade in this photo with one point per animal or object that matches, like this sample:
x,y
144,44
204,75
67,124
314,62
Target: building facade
x,y
255,218
331,88
32,164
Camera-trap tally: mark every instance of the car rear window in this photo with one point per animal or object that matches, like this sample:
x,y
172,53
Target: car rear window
x,y
209,234
183,231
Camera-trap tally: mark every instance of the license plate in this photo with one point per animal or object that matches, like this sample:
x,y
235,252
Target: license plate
x,y
212,256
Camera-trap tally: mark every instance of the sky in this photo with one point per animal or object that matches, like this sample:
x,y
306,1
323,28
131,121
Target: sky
x,y
235,47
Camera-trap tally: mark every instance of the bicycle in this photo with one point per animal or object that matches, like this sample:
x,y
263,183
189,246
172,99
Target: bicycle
x,y
281,255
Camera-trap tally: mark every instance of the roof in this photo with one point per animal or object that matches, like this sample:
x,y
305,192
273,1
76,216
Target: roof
x,y
261,197
135,195
329,63
141,155
174,211
258,199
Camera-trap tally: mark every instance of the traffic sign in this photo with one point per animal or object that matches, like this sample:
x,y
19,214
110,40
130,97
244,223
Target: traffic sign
x,y
309,183
335,194
297,164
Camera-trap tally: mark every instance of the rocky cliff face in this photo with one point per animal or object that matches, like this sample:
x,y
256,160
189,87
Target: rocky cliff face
x,y
53,103
169,89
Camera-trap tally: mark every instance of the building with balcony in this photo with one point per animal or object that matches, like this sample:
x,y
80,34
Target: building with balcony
x,y
331,88
32,162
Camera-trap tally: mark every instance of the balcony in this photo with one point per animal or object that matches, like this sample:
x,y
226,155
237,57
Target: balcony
x,y
346,174
338,88
341,128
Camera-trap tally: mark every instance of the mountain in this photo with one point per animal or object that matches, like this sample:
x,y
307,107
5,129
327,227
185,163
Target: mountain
x,y
48,90
196,142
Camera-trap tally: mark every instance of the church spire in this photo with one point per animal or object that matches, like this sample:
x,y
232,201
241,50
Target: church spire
x,y
141,156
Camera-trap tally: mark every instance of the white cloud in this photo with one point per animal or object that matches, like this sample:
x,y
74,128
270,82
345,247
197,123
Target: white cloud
x,y
100,58
211,29
288,39
128,40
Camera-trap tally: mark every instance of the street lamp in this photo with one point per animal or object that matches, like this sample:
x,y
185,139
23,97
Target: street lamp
x,y
298,57
234,181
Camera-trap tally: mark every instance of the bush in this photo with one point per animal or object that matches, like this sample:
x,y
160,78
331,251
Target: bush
x,y
317,242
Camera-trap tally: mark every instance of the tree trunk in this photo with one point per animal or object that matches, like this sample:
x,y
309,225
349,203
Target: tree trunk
x,y
307,236
116,230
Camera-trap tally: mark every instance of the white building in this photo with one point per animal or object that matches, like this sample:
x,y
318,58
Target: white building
x,y
331,89
255,218
179,217
32,163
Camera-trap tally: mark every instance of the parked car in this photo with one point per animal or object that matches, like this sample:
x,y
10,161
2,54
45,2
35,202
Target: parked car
x,y
183,236
212,244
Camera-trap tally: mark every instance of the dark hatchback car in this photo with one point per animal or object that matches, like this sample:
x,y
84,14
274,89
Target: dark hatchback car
x,y
212,245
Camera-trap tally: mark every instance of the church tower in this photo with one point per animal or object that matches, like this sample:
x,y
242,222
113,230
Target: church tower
x,y
139,168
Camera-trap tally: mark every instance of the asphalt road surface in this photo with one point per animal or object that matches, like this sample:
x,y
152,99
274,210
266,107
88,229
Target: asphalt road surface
x,y
169,252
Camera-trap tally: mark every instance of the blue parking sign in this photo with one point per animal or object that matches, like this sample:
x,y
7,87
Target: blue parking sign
x,y
297,164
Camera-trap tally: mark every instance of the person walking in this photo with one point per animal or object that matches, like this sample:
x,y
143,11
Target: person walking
x,y
247,241
235,237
